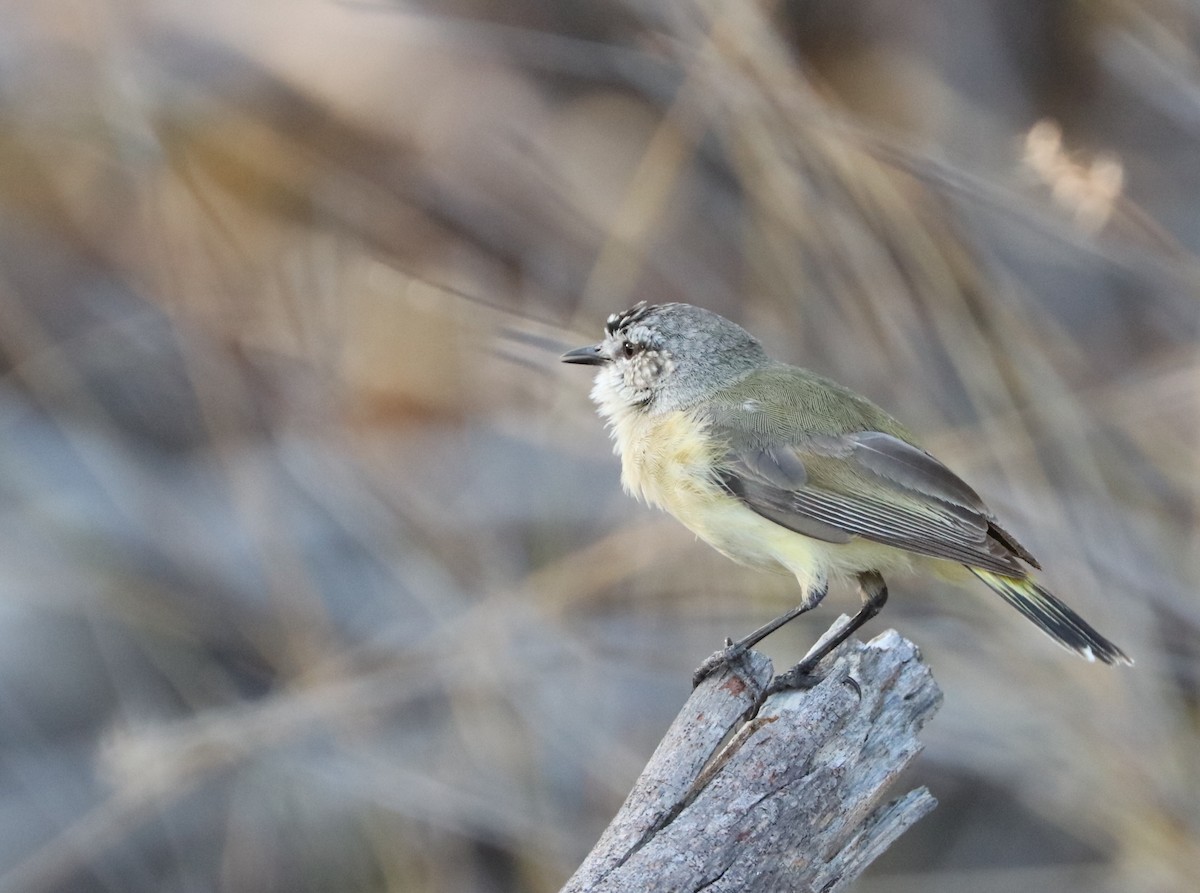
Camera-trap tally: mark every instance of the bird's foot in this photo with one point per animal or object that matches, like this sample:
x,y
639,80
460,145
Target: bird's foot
x,y
799,677
726,657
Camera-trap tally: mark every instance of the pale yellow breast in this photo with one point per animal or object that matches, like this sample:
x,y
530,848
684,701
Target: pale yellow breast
x,y
666,460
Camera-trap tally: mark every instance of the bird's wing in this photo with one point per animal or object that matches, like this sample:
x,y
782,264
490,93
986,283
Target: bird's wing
x,y
869,484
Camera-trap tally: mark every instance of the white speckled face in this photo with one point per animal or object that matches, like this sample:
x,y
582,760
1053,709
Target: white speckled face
x,y
639,366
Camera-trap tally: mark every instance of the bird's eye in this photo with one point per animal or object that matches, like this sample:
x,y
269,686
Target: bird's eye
x,y
627,349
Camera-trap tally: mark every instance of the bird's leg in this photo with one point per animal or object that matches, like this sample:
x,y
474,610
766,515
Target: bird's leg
x,y
874,596
734,650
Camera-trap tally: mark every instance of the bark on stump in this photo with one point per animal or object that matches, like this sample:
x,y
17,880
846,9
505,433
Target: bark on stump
x,y
786,794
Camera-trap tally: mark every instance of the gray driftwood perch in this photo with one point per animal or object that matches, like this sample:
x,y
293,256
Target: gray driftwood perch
x,y
786,795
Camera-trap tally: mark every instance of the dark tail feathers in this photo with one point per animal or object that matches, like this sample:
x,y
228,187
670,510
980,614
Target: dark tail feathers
x,y
1056,619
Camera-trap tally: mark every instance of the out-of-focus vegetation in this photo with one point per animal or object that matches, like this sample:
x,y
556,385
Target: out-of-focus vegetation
x,y
315,570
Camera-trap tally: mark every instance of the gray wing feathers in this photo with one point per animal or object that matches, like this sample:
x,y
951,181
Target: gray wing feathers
x,y
876,486
781,469
941,535
770,490
902,463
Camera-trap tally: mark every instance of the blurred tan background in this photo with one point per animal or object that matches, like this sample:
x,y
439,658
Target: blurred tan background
x,y
316,574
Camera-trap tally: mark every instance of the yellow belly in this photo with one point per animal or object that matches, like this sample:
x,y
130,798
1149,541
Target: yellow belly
x,y
666,460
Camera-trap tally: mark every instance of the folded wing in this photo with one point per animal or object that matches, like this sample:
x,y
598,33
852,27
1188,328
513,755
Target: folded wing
x,y
873,485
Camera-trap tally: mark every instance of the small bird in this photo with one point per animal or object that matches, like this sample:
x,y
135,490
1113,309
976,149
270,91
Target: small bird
x,y
783,470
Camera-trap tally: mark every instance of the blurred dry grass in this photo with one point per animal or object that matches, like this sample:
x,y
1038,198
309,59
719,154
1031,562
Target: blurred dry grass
x,y
316,575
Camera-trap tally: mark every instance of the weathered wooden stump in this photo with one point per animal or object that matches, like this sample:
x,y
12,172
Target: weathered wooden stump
x,y
783,794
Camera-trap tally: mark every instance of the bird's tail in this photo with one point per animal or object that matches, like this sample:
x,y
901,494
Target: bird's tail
x,y
1056,619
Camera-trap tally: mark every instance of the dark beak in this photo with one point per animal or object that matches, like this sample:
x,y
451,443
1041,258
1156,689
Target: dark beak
x,y
585,356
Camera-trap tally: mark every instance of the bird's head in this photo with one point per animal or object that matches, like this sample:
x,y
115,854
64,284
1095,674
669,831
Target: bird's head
x,y
660,357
